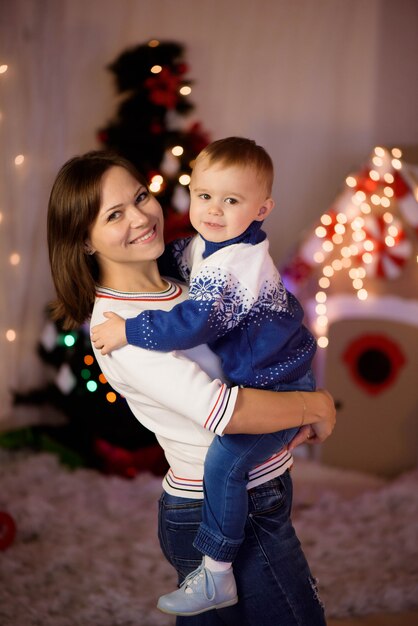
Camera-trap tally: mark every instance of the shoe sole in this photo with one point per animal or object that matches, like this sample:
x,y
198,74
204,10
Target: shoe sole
x,y
222,605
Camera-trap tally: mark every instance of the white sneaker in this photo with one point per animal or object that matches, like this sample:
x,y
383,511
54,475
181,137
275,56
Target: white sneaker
x,y
202,590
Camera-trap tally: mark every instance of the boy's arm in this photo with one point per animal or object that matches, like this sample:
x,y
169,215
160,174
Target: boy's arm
x,y
173,262
214,308
109,335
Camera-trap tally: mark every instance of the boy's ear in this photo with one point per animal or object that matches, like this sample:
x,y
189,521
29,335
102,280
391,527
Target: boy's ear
x,y
266,209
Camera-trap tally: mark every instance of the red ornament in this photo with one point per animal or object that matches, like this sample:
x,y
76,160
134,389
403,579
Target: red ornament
x,y
374,361
7,530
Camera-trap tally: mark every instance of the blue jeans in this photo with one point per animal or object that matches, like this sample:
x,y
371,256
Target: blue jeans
x,y
275,585
228,461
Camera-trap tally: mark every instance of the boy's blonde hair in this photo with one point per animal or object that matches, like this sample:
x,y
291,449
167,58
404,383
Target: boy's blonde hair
x,y
242,152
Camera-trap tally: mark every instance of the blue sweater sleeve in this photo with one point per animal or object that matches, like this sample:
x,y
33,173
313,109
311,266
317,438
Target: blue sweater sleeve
x,y
203,318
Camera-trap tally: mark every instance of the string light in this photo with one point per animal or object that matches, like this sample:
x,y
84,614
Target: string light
x,y
184,179
111,396
3,68
156,69
19,159
177,150
92,385
153,43
14,259
185,90
10,334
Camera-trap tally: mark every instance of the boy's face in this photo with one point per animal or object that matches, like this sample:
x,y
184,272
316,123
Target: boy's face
x,y
224,200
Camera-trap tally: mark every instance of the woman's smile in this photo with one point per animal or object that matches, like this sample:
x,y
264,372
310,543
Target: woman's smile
x,y
149,236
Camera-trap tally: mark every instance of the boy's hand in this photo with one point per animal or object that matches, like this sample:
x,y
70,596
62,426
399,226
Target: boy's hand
x,y
110,335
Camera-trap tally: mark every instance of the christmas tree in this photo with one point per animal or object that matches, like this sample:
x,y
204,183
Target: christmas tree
x,y
100,429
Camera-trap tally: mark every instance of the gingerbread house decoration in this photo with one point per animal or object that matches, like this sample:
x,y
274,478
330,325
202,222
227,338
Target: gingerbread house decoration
x,y
356,274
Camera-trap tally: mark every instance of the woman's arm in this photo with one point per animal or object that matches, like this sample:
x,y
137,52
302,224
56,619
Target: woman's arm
x,y
257,412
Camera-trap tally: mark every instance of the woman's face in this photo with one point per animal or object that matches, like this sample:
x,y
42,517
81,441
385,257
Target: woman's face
x,y
129,226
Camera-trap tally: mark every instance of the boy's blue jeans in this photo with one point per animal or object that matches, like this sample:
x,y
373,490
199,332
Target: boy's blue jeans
x,y
274,582
228,461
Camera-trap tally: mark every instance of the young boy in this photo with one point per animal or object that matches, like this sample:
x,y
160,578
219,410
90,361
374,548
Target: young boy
x,y
239,306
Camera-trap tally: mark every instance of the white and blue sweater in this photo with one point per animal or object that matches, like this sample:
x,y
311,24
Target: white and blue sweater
x,y
238,305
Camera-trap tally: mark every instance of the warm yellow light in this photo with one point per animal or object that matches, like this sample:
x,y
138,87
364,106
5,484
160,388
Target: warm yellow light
x,y
374,175
368,245
328,271
341,218
322,341
3,68
184,179
158,179
339,229
397,153
367,258
385,202
153,43
111,396
359,235
388,217
185,91
393,231
389,241
14,258
353,273
377,160
321,296
318,257
10,334
346,262
362,294
321,309
365,208
327,246
375,199
361,272
388,191
357,283
19,159
345,252
156,69
357,223
396,164
1,217
379,151
322,321
354,249
324,282
351,181
337,265
320,232
326,219
155,187
177,150
389,178
359,197
337,239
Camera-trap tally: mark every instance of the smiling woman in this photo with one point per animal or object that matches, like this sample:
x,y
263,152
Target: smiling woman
x,y
105,232
127,231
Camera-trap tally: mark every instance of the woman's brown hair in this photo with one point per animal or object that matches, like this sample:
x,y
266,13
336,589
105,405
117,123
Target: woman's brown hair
x,y
73,206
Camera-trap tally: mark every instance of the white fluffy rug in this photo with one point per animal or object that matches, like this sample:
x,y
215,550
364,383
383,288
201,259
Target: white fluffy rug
x,y
86,552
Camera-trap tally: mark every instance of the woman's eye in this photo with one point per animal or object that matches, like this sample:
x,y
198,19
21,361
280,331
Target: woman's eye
x,y
141,197
113,216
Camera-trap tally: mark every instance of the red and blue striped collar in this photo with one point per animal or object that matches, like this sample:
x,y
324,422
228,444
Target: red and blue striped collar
x,y
173,291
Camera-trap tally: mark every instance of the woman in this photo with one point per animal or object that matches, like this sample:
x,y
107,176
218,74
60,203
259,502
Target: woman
x,y
105,233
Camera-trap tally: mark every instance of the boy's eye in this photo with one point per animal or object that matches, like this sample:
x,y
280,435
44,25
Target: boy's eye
x,y
204,196
231,200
